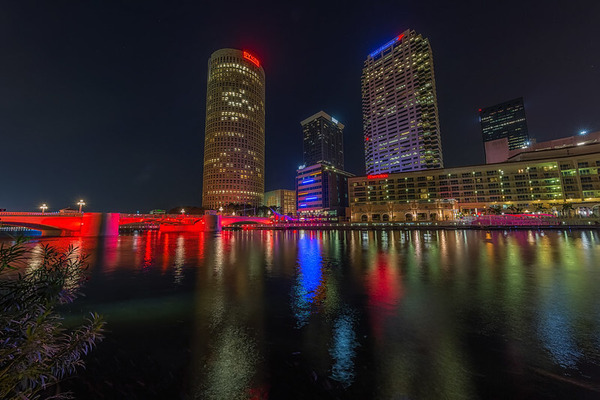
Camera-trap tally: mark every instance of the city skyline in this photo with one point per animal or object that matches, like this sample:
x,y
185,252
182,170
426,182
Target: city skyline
x,y
111,111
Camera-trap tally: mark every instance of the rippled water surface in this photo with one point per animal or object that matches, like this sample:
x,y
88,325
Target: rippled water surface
x,y
342,314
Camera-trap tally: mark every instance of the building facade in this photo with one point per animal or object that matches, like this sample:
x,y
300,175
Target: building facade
x,y
234,143
282,199
400,114
322,192
504,120
539,183
323,140
498,151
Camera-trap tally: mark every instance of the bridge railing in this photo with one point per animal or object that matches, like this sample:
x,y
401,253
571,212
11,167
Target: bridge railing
x,y
39,214
159,216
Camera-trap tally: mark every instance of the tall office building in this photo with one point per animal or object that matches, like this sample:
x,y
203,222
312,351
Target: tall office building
x,y
505,120
234,143
400,114
323,140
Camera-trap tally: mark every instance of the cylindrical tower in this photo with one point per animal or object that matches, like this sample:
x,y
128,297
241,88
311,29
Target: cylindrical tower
x,y
234,142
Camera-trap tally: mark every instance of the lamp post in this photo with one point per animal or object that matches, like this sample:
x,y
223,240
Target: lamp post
x,y
44,207
221,209
183,211
81,204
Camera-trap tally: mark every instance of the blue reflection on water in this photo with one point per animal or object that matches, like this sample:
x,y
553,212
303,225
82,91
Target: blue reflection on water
x,y
308,278
556,334
342,351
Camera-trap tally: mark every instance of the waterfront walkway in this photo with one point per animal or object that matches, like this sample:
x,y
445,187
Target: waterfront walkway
x,y
480,223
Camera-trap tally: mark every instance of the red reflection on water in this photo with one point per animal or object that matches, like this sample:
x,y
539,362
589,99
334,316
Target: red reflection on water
x,y
110,254
385,290
166,254
201,247
148,250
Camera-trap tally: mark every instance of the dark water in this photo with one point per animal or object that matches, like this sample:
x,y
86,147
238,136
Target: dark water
x,y
350,315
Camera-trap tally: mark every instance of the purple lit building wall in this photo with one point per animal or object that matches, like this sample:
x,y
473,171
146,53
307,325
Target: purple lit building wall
x,y
322,192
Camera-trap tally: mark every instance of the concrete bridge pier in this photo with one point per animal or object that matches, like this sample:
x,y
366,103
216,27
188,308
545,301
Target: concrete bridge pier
x,y
100,224
212,223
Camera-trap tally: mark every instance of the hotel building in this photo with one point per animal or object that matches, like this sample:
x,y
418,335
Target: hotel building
x,y
322,192
323,140
536,181
234,143
505,120
400,115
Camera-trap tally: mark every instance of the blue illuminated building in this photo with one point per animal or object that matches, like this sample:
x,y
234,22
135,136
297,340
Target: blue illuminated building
x,y
322,192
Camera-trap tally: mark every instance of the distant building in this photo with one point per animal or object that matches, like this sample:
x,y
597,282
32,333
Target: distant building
x,y
532,181
322,192
498,150
504,120
283,199
234,143
323,140
399,102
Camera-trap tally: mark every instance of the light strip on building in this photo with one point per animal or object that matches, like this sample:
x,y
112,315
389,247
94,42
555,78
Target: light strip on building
x,y
388,44
377,176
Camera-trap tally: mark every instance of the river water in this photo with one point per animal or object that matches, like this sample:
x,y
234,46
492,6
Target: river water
x,y
342,314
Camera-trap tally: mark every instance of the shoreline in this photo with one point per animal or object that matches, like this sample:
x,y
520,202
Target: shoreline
x,y
416,225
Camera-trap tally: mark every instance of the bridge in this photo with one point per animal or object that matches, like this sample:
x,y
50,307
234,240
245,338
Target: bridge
x,y
187,223
108,224
64,224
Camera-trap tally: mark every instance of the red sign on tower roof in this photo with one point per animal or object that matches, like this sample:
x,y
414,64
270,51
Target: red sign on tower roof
x,y
251,58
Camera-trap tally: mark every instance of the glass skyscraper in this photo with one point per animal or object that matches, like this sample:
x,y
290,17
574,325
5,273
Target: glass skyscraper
x,y
234,143
400,114
323,140
505,120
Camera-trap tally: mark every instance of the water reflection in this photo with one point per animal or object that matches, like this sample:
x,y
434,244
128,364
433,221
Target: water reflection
x,y
343,349
309,278
348,314
179,259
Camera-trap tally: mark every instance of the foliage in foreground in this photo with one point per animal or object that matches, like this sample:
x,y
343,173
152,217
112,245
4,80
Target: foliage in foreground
x,y
36,351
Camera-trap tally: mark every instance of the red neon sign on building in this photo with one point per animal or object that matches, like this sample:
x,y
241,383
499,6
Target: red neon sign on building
x,y
377,176
251,58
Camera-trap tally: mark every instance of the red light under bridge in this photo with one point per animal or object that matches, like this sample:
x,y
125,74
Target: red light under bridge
x,y
108,224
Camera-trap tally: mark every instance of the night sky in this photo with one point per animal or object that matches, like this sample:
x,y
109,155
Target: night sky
x,y
105,100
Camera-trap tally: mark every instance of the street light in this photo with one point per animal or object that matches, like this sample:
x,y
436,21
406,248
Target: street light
x,y
81,204
44,207
183,211
221,209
